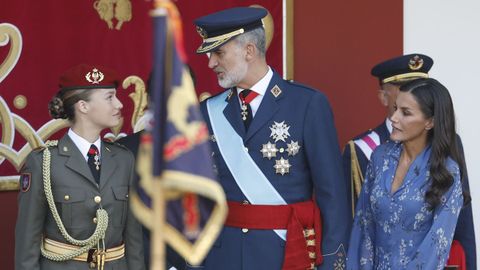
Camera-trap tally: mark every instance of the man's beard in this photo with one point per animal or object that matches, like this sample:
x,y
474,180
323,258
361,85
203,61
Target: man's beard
x,y
233,77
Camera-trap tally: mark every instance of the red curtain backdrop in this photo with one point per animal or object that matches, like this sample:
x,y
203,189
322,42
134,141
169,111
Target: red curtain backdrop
x,y
336,45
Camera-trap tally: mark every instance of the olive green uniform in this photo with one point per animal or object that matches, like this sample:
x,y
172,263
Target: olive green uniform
x,y
76,195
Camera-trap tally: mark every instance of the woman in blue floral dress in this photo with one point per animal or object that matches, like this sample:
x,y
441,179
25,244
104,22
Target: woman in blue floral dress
x,y
412,195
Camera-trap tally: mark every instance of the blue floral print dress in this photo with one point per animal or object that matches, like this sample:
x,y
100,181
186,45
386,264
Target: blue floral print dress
x,y
398,231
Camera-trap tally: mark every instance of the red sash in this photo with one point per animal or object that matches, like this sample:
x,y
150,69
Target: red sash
x,y
457,256
301,220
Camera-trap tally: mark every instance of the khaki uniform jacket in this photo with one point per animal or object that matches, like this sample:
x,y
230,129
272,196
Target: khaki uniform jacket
x,y
70,175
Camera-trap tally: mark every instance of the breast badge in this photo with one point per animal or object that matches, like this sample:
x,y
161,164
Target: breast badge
x,y
269,150
279,131
282,166
279,150
293,148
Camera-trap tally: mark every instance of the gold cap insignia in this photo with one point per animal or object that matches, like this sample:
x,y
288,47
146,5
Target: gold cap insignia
x,y
95,76
415,63
202,32
276,91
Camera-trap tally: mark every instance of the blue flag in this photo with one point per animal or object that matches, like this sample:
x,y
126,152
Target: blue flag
x,y
178,140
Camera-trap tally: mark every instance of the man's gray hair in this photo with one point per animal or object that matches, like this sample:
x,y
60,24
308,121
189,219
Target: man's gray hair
x,y
257,37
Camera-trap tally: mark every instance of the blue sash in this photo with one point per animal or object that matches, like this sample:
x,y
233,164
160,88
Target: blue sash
x,y
251,180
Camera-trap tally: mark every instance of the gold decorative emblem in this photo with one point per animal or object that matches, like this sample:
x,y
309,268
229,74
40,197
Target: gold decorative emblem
x,y
276,91
106,10
20,102
95,76
202,32
415,63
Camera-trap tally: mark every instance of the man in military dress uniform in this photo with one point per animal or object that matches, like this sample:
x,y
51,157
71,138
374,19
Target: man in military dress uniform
x,y
392,74
276,152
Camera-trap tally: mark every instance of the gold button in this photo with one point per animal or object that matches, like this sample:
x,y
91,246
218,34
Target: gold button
x,y
97,199
245,202
244,230
67,197
95,220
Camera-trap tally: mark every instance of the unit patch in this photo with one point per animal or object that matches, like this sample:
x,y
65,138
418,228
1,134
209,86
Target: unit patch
x,y
25,181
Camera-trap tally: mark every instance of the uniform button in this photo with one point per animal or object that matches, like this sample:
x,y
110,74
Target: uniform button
x,y
97,199
246,149
95,220
126,196
244,230
282,150
245,202
67,197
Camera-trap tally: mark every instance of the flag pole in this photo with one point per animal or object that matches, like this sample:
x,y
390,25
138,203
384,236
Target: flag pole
x,y
157,239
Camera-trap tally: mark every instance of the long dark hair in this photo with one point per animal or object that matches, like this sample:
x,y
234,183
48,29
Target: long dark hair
x,y
435,102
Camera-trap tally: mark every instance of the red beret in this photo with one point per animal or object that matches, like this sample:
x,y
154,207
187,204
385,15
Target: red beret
x,y
86,76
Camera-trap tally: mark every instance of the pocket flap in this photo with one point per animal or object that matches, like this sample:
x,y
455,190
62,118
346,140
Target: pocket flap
x,y
68,195
121,193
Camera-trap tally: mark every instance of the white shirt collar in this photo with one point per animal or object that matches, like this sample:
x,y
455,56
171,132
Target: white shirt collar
x,y
261,86
82,144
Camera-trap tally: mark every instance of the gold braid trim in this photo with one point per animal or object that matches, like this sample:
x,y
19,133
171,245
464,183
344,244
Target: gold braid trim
x,y
83,245
356,175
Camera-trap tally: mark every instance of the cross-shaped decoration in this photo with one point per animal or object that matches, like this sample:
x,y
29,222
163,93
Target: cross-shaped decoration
x,y
96,161
269,150
244,111
279,131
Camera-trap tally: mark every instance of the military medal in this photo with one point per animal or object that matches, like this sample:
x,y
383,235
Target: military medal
x,y
279,131
293,148
282,166
96,161
269,150
244,111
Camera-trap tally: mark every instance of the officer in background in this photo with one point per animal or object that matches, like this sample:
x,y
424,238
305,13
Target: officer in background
x,y
276,152
73,207
392,74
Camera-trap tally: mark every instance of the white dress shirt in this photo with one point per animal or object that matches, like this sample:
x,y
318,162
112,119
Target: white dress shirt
x,y
260,87
82,144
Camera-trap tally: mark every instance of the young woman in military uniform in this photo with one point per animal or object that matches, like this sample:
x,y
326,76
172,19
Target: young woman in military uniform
x,y
73,204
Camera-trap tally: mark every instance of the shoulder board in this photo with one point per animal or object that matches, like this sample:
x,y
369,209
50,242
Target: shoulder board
x,y
39,148
47,144
368,143
115,143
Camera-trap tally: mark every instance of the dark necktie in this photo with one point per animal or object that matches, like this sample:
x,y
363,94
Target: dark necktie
x,y
94,162
246,96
